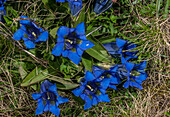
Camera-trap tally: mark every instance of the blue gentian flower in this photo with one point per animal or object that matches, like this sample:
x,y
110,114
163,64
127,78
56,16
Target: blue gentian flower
x,y
107,76
126,48
30,33
134,73
71,43
91,91
121,48
74,5
102,5
48,99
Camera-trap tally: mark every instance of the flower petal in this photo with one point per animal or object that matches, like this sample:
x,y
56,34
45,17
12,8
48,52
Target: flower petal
x,y
89,76
45,85
77,3
142,65
123,60
29,44
88,103
80,29
105,83
140,78
77,92
134,84
75,7
129,66
74,57
60,0
47,106
58,49
113,86
55,110
114,80
94,100
18,34
113,69
40,107
112,48
97,71
103,91
62,31
86,45
62,99
126,84
79,51
65,53
53,89
25,22
60,39
120,42
42,37
131,46
103,98
101,6
36,96
82,37
83,96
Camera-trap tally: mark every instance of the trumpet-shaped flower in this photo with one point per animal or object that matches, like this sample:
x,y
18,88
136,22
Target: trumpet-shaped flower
x,y
48,99
91,91
107,76
30,33
71,43
74,5
102,6
135,74
121,48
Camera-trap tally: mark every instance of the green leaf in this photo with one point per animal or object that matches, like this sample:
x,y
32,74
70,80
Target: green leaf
x,y
113,18
41,76
38,75
53,32
166,8
30,76
111,28
81,17
107,39
87,61
98,51
45,1
67,84
158,3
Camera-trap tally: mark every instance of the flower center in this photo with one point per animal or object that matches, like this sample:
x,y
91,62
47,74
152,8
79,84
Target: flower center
x,y
121,72
70,41
33,32
91,88
88,86
49,96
